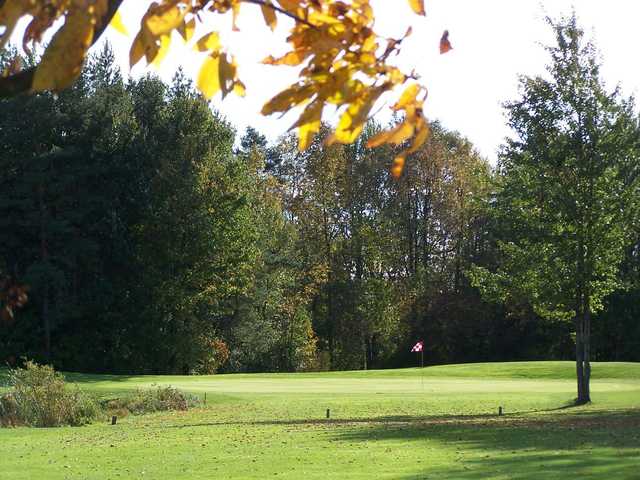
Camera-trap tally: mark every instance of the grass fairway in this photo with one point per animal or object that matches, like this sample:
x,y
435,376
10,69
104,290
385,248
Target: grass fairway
x,y
438,423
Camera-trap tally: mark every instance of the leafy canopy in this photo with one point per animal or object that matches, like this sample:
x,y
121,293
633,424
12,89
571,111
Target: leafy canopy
x,y
344,62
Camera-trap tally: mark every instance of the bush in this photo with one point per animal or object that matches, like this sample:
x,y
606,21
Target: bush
x,y
8,411
159,399
39,397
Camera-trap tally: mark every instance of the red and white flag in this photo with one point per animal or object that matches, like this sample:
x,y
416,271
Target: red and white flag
x,y
418,346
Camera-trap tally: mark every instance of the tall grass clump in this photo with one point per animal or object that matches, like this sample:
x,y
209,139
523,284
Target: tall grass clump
x,y
38,396
158,399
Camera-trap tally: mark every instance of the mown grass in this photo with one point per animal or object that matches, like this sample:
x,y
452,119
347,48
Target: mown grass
x,y
439,422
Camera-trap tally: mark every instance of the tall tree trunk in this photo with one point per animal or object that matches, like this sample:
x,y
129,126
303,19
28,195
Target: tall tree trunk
x,y
583,351
579,358
364,352
583,320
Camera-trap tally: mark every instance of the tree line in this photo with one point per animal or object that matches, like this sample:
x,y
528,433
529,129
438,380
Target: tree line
x,y
156,239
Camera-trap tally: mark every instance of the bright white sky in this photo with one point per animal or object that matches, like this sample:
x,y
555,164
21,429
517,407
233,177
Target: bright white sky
x,y
494,41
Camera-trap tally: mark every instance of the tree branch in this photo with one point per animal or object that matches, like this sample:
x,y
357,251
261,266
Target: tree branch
x,y
21,82
282,11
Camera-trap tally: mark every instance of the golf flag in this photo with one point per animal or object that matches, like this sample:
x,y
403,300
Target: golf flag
x,y
418,346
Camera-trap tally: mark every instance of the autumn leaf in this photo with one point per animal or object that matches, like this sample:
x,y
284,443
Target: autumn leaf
x,y
209,76
227,71
187,29
396,135
292,58
417,6
344,61
445,45
165,42
352,121
422,133
269,15
164,20
118,25
239,88
408,97
236,11
208,43
62,60
292,96
308,124
398,166
137,50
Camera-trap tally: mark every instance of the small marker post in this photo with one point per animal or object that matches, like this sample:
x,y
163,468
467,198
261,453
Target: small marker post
x,y
499,411
328,413
114,419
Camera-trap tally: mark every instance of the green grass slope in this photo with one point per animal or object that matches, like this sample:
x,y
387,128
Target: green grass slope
x,y
436,422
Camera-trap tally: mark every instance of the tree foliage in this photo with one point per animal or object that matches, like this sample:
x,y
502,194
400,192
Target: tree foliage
x,y
344,63
155,239
567,193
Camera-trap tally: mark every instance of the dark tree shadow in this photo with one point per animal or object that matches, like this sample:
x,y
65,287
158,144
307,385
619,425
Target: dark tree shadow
x,y
546,444
583,444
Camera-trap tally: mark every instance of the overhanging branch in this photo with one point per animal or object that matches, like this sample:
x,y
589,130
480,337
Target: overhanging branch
x,y
21,82
273,7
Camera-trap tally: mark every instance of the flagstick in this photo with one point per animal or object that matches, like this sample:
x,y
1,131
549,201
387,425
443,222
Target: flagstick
x,y
422,367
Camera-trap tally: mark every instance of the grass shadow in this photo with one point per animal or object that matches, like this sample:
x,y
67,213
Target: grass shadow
x,y
585,444
551,443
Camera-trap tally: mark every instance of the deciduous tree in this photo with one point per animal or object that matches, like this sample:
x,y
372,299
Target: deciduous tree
x,y
568,192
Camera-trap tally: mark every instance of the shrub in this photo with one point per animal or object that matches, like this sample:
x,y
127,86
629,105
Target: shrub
x,y
155,400
8,411
39,397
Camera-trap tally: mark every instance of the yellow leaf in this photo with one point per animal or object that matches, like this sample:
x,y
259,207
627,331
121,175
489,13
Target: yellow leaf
x,y
422,133
137,50
150,46
227,74
62,60
408,97
187,29
292,96
209,76
291,58
352,121
308,124
306,133
236,11
164,20
165,42
269,15
118,25
398,166
396,135
239,88
370,44
208,43
417,6
292,6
